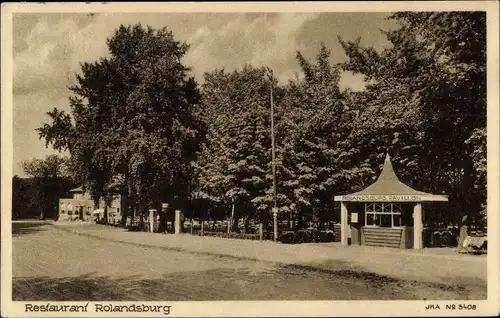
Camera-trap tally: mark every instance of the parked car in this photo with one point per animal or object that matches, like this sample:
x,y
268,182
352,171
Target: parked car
x,y
326,236
308,235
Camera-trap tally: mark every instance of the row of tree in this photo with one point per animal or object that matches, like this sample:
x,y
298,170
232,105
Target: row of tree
x,y
37,195
140,124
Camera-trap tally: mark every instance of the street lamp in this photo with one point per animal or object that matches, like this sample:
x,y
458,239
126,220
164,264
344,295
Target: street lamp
x,y
273,163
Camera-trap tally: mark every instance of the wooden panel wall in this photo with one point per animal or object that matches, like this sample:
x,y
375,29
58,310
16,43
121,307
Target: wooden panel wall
x,y
380,236
336,229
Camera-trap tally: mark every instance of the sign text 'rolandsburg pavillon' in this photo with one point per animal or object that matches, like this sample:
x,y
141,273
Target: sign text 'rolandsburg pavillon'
x,y
376,198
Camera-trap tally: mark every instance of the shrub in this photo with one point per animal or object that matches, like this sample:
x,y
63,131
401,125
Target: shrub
x,y
240,236
134,228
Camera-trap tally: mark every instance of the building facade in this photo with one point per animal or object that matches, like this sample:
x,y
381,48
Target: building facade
x,y
387,213
81,207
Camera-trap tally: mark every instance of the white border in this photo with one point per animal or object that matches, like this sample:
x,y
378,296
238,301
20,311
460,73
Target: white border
x,y
267,308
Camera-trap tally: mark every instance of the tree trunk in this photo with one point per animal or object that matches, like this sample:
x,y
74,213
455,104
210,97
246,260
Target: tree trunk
x,y
105,213
235,222
231,218
126,207
162,221
141,218
264,219
246,221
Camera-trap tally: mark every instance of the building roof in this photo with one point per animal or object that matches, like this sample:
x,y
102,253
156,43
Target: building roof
x,y
388,184
79,189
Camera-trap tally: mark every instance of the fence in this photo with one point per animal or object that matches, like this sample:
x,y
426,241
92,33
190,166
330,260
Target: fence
x,y
220,229
210,228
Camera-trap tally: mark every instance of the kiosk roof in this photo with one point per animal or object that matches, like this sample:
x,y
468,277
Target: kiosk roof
x,y
388,187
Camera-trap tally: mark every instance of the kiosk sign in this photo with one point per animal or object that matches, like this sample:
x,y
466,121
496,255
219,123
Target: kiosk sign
x,y
382,198
354,217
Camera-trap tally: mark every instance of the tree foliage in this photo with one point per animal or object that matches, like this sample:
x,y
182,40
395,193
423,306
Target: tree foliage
x,y
139,123
314,159
48,180
235,163
132,119
425,98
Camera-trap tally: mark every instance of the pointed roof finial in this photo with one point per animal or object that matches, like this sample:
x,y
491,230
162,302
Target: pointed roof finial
x,y
388,182
388,173
387,156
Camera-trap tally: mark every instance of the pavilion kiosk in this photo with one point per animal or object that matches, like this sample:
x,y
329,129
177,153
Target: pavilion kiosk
x,y
387,213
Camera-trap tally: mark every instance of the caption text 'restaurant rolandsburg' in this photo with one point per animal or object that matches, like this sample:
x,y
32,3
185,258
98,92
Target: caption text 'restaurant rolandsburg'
x,y
134,308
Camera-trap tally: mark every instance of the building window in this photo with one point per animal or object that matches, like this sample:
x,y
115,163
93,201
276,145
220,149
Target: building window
x,y
383,214
396,219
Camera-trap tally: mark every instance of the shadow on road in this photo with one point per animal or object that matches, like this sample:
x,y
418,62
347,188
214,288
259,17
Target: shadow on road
x,y
23,228
281,283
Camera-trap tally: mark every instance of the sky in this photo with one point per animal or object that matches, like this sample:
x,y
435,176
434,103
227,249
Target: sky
x,y
48,47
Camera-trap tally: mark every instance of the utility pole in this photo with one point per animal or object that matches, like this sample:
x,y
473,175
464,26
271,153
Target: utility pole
x,y
273,162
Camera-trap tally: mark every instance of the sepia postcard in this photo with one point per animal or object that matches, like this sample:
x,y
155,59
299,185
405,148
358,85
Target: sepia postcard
x,y
250,159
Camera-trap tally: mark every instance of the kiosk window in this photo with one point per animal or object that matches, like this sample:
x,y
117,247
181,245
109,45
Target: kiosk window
x,y
385,220
370,219
383,214
396,218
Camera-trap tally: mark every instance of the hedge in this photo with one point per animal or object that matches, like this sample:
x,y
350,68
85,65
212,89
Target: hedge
x,y
240,236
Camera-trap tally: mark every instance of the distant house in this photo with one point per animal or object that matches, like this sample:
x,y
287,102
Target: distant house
x,y
81,206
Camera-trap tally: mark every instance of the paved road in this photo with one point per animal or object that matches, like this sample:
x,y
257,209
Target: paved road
x,y
53,264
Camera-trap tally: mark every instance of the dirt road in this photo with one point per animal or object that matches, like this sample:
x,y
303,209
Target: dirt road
x,y
53,264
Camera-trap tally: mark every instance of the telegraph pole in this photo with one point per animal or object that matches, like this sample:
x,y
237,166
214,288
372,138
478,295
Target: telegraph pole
x,y
273,162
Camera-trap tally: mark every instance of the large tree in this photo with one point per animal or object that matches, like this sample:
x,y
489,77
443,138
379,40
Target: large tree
x,y
315,161
132,119
425,98
312,121
49,179
235,164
